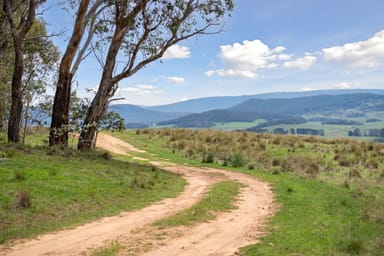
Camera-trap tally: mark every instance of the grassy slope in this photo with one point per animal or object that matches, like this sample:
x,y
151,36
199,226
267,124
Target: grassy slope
x,y
332,214
68,187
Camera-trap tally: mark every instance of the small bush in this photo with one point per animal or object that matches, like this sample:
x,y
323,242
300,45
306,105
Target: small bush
x,y
106,155
237,160
18,175
23,199
208,158
354,247
354,173
251,166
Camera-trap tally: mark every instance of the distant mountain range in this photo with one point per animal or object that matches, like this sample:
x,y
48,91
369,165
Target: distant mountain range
x,y
284,111
270,106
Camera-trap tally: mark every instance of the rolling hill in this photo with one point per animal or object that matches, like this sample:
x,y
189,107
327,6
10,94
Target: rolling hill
x,y
284,111
224,102
136,115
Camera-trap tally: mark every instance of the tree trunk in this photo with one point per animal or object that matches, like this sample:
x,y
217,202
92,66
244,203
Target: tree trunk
x,y
17,103
58,134
87,139
26,117
99,104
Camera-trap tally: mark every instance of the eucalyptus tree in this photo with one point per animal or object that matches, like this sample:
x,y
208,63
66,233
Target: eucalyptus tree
x,y
40,65
74,54
141,31
20,16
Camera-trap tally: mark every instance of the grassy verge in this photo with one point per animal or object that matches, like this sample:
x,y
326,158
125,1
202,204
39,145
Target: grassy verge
x,y
42,190
331,191
219,198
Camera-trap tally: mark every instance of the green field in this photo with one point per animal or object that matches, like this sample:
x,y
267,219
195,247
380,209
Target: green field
x,y
331,192
42,189
331,131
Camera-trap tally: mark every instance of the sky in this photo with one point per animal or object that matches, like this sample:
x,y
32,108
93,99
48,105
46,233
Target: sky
x,y
266,46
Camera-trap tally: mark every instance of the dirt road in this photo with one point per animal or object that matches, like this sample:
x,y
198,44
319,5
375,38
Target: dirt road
x,y
223,236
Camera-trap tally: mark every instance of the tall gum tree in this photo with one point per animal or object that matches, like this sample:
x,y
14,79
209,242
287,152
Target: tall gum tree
x,y
20,17
142,31
68,66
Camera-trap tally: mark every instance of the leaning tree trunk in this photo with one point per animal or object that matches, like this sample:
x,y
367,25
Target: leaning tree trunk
x,y
17,103
99,104
87,139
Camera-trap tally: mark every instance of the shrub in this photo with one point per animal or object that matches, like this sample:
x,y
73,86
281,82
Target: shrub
x,y
18,175
208,158
23,199
237,160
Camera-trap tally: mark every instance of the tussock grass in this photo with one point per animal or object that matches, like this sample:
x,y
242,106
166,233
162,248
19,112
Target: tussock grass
x,y
112,249
331,190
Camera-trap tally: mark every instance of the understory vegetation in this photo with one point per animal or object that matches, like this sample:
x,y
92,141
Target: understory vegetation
x,y
331,192
45,189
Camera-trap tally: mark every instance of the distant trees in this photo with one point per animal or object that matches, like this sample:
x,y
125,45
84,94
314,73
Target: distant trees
x,y
374,132
19,16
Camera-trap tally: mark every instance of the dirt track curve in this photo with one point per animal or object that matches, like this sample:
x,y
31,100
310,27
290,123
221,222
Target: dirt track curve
x,y
223,236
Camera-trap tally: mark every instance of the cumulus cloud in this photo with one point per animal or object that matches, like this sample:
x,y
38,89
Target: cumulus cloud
x,y
231,73
368,54
244,59
177,52
176,79
249,55
140,90
303,63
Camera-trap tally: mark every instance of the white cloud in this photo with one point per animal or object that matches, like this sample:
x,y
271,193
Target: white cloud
x,y
231,73
307,89
303,63
244,59
285,56
250,55
177,52
139,90
346,85
146,87
368,54
176,79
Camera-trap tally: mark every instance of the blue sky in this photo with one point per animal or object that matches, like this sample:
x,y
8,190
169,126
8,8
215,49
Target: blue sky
x,y
267,46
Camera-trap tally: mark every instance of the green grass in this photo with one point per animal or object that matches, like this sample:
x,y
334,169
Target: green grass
x,y
219,198
110,250
42,190
331,192
316,219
